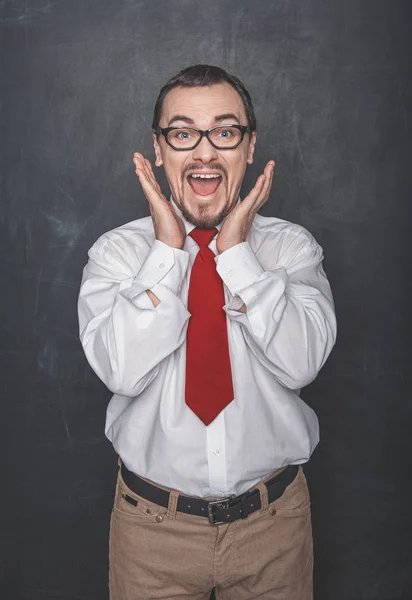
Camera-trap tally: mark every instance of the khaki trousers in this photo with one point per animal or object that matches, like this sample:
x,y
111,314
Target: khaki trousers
x,y
158,553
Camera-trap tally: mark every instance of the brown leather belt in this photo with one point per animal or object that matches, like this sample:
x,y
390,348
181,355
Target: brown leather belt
x,y
222,510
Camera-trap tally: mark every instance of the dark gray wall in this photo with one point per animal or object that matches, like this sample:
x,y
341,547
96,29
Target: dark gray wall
x,y
331,82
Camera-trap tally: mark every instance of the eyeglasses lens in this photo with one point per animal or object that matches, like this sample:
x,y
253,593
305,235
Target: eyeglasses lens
x,y
221,137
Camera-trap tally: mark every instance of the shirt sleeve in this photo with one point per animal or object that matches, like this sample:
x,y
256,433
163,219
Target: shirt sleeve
x,y
124,336
290,323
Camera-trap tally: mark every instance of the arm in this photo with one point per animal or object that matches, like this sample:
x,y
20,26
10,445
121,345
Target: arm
x,y
130,322
124,336
287,313
290,323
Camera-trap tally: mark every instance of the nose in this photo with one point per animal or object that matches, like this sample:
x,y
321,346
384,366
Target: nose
x,y
205,151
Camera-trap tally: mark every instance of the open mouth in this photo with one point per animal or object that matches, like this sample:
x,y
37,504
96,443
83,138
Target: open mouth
x,y
204,184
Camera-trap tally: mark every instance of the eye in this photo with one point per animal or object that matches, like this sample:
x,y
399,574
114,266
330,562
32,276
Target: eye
x,y
183,135
225,133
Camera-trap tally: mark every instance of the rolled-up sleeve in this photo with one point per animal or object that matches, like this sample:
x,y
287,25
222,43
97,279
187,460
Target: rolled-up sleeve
x,y
290,323
124,336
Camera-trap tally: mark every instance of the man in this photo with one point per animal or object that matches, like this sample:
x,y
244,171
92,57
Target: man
x,y
205,320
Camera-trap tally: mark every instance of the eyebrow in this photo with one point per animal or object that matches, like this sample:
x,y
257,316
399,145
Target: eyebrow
x,y
226,116
189,121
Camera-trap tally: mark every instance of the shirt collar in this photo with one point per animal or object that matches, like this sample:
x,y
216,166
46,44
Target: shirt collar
x,y
189,226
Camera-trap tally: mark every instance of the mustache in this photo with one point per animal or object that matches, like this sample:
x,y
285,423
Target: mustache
x,y
196,168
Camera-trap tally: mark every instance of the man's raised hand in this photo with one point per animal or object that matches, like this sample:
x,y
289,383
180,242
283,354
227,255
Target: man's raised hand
x,y
169,228
236,226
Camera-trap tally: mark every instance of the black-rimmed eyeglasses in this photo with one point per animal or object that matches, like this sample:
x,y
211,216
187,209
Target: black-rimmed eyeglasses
x,y
222,137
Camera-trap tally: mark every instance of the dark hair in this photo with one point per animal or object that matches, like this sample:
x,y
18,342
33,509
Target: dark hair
x,y
203,76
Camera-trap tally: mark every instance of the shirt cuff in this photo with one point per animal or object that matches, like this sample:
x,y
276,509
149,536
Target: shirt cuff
x,y
238,267
163,264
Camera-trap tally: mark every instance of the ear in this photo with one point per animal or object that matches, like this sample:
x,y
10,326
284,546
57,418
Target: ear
x,y
251,150
158,151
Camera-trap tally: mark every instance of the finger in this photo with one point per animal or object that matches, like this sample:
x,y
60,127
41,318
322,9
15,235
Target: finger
x,y
270,168
144,166
150,187
270,165
141,173
269,172
149,190
142,163
255,191
137,157
151,175
146,170
264,193
138,160
260,192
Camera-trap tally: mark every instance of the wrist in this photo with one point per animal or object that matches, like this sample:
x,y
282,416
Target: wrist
x,y
226,246
178,245
155,300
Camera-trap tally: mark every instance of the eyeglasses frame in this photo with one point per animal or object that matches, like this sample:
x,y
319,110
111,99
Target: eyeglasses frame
x,y
203,133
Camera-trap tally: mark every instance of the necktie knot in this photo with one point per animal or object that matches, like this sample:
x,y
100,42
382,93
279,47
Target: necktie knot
x,y
203,237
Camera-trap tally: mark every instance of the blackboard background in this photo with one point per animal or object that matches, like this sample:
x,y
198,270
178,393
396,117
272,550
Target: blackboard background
x,y
331,82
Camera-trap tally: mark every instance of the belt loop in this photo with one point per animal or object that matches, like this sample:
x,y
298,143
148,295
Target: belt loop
x,y
171,509
263,495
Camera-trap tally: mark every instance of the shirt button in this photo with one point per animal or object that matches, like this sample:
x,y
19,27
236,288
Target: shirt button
x,y
161,265
229,272
273,511
217,452
159,518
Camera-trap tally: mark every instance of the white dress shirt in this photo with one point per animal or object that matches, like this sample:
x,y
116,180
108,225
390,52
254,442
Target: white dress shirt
x,y
276,348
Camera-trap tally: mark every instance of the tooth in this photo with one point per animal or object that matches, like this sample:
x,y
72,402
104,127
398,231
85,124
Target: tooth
x,y
205,176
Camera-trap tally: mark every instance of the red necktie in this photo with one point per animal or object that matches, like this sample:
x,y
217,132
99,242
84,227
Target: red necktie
x,y
209,387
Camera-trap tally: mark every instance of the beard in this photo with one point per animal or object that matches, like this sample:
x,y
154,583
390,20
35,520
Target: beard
x,y
203,220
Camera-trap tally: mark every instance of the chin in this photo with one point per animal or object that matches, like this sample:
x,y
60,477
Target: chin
x,y
203,217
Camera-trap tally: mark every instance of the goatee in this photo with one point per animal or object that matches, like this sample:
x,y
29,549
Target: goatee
x,y
203,220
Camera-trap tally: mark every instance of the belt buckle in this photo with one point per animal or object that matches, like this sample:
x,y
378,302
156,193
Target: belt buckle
x,y
221,503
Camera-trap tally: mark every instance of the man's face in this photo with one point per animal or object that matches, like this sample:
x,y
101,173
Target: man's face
x,y
204,202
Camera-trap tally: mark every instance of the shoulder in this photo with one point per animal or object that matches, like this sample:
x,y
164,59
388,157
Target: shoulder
x,y
128,244
277,229
282,242
134,233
